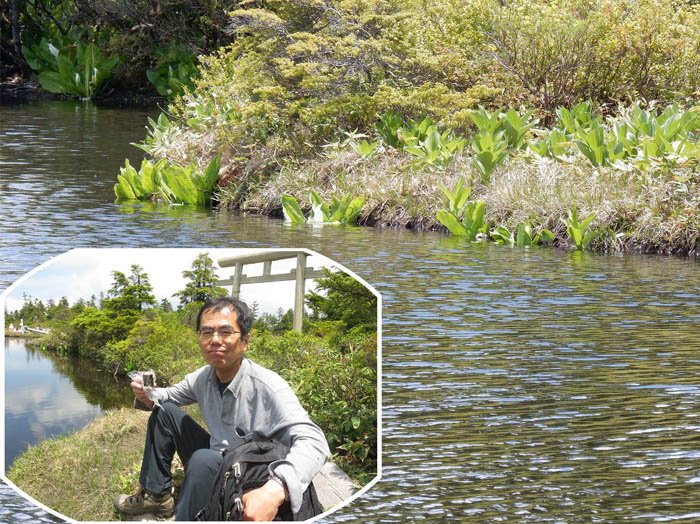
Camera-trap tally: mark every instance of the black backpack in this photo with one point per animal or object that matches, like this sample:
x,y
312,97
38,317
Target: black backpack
x,y
244,468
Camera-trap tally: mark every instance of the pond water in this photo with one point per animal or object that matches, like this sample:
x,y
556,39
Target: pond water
x,y
518,385
48,394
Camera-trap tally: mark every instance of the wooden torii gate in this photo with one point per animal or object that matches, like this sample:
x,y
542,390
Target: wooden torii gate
x,y
267,257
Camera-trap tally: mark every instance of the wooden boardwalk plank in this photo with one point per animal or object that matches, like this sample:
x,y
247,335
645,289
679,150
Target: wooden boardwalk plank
x,y
333,485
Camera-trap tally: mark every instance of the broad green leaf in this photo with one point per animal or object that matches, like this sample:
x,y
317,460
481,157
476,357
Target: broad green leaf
x,y
291,209
448,220
32,59
211,173
51,81
433,142
353,210
501,235
338,210
545,235
123,190
587,221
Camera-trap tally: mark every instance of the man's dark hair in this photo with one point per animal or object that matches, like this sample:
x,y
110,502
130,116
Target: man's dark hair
x,y
245,316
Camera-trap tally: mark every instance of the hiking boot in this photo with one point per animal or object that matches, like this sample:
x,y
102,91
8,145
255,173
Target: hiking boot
x,y
145,502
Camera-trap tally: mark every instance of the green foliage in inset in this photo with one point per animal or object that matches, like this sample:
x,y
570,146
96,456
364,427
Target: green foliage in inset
x,y
90,330
341,297
202,279
578,230
159,341
336,385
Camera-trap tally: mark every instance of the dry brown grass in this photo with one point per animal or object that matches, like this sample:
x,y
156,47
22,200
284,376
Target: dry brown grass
x,y
634,210
396,192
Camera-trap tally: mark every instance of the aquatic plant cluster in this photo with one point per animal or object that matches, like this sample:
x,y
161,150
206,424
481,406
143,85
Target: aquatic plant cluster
x,y
637,144
68,66
167,182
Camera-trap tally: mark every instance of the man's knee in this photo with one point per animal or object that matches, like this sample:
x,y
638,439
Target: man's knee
x,y
203,463
167,412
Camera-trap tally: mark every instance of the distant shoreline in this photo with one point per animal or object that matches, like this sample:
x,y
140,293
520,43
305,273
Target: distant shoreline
x,y
15,334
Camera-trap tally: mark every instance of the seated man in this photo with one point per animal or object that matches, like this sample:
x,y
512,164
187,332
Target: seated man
x,y
233,394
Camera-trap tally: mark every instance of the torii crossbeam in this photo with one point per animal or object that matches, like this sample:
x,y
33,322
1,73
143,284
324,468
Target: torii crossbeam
x,y
267,257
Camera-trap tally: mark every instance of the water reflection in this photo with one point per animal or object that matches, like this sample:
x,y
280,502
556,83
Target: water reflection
x,y
518,385
47,394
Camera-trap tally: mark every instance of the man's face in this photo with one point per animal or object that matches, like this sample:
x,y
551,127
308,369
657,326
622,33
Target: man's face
x,y
221,343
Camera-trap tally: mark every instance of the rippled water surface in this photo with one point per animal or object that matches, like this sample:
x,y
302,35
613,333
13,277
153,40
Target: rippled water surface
x,y
518,385
16,509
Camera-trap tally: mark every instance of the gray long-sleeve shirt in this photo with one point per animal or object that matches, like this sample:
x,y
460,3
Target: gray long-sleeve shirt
x,y
257,399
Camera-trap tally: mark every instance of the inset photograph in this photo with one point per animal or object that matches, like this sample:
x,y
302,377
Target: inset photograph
x,y
192,384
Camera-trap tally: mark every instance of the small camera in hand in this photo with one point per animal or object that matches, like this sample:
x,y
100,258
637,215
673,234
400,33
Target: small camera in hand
x,y
149,379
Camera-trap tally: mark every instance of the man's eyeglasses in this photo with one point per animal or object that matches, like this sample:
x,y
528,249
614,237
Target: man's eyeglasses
x,y
224,333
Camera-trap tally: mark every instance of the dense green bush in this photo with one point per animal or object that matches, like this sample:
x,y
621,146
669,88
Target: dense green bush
x,y
337,388
159,341
320,68
562,52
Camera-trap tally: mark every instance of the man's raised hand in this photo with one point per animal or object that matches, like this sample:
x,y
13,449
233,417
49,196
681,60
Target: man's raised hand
x,y
140,394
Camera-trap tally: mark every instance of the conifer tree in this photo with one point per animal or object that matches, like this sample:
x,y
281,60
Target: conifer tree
x,y
202,282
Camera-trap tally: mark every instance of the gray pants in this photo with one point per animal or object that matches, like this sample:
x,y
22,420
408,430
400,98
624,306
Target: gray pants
x,y
170,430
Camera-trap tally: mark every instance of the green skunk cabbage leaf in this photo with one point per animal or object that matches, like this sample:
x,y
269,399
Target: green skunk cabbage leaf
x,y
51,81
353,210
292,211
450,222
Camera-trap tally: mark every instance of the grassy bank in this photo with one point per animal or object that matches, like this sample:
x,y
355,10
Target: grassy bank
x,y
652,209
79,475
635,211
